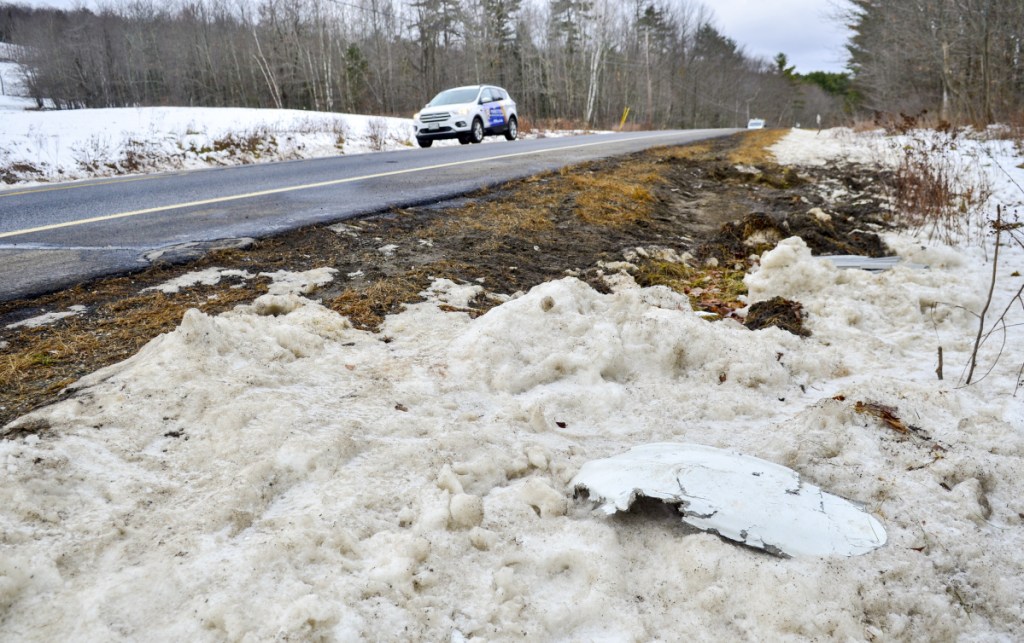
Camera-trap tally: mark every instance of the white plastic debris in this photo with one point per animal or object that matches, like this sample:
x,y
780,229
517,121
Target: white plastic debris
x,y
746,499
871,264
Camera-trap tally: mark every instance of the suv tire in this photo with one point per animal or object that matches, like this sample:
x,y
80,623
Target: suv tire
x,y
476,132
424,142
512,131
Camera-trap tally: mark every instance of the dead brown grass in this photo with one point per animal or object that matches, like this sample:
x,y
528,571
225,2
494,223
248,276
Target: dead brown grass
x,y
777,312
502,217
529,125
687,153
714,290
618,197
615,196
753,147
614,200
366,306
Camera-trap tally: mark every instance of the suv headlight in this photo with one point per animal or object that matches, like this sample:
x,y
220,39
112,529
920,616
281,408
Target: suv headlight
x,y
463,111
416,116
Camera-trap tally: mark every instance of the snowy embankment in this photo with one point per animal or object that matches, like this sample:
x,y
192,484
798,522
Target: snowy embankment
x,y
273,473
86,143
48,145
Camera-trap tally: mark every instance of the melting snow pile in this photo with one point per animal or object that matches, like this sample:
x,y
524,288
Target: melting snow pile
x,y
274,473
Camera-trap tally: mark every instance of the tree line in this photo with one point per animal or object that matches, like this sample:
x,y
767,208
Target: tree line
x,y
584,61
961,60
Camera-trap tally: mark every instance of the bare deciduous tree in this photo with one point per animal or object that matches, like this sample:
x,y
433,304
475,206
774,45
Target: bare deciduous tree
x,y
579,60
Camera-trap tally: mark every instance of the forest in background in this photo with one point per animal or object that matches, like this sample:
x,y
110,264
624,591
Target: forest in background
x,y
961,60
579,61
583,62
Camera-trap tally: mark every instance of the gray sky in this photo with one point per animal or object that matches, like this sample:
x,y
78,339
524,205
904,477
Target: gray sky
x,y
802,29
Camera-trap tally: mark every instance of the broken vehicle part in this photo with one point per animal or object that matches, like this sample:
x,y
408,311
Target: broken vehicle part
x,y
871,264
742,498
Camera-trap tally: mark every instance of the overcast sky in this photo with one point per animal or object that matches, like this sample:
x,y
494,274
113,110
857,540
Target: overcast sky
x,y
803,29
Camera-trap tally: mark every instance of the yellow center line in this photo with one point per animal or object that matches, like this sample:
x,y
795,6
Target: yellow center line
x,y
294,188
77,186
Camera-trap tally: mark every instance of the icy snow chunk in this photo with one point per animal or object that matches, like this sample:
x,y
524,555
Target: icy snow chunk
x,y
299,283
820,215
208,277
743,498
789,270
467,511
446,291
277,305
48,318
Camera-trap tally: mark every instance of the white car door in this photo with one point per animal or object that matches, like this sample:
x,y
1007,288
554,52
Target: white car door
x,y
494,108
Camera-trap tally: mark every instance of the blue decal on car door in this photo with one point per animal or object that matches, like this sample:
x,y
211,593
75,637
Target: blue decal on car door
x,y
496,116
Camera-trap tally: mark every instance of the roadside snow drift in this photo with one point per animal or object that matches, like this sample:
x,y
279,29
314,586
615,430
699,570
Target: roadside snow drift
x,y
273,473
84,143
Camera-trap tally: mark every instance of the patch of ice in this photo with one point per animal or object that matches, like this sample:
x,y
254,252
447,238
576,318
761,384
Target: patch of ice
x,y
207,277
299,283
446,291
48,318
282,281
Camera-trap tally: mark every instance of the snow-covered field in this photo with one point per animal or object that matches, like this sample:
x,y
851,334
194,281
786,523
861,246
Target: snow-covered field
x,y
12,96
273,473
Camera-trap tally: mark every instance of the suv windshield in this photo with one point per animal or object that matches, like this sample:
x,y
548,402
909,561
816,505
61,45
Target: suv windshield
x,y
454,96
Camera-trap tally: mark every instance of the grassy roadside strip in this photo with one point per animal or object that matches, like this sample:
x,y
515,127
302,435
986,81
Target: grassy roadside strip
x,y
530,231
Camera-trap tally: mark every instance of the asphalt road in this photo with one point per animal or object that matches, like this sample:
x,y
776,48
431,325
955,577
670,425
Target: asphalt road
x,y
58,235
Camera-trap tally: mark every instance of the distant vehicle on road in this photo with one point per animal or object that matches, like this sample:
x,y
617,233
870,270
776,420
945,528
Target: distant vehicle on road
x,y
755,123
467,114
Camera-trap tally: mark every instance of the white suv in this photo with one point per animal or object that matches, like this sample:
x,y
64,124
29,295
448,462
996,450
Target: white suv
x,y
468,114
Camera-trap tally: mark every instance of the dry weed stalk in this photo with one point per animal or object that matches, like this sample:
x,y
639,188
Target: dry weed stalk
x,y
935,191
1014,230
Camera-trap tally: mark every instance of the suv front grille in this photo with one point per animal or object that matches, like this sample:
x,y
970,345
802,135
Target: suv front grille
x,y
436,117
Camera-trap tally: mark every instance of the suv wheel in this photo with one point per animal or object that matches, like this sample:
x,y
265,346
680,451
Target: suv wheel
x,y
424,142
476,135
464,139
512,131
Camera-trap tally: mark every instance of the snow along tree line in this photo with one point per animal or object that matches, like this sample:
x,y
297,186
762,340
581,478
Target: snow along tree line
x,y
579,60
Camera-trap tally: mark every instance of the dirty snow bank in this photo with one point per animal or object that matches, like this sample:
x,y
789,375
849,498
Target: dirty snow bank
x,y
274,473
